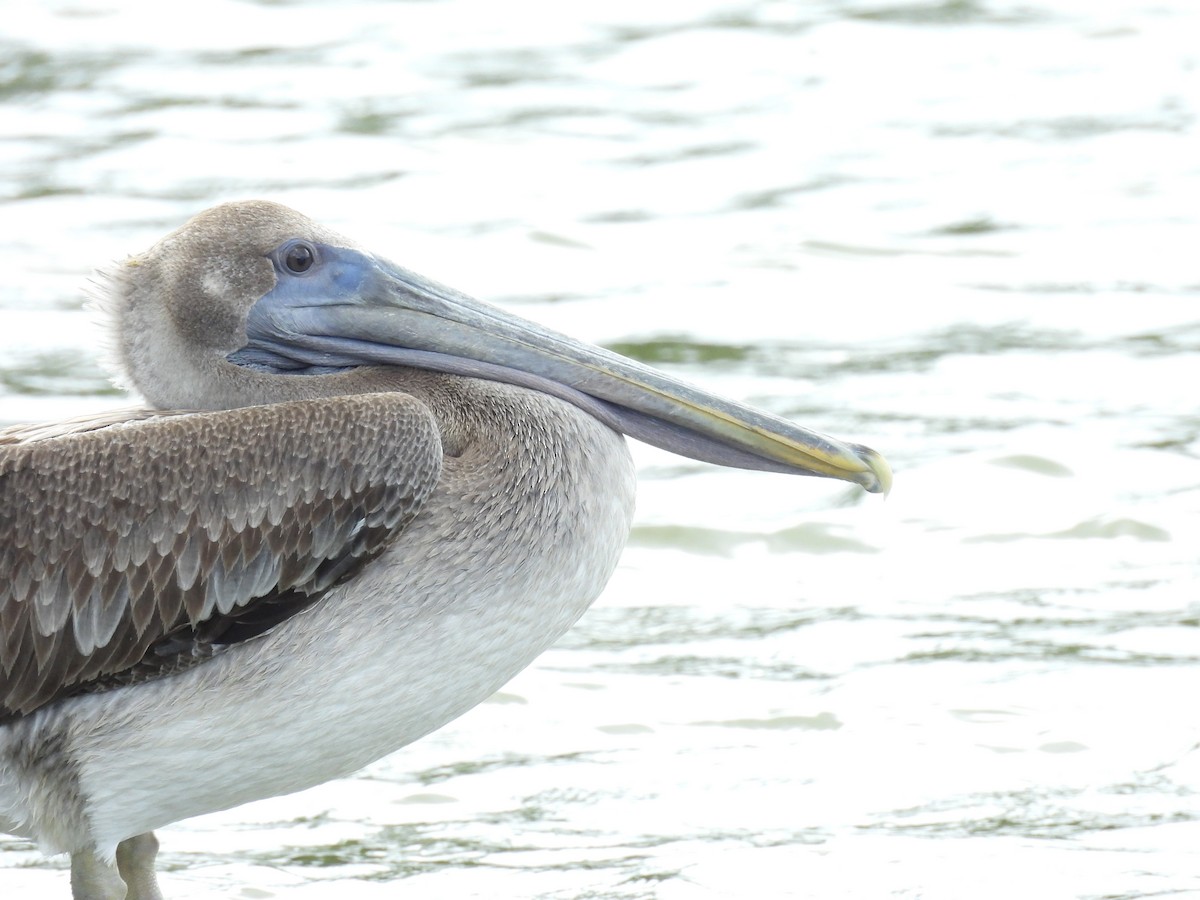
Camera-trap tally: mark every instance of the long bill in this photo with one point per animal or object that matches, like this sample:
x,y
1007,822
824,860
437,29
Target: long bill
x,y
366,311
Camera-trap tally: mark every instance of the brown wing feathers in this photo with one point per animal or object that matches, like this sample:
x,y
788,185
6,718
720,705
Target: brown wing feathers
x,y
115,539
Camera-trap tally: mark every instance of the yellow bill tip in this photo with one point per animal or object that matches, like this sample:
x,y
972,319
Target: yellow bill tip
x,y
877,477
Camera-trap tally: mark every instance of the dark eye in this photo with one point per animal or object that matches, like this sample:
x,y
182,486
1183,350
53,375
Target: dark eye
x,y
299,258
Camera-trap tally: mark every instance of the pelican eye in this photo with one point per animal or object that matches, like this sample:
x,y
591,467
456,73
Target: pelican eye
x,y
299,257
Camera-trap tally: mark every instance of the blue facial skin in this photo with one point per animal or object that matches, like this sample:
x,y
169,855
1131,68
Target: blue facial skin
x,y
308,276
299,326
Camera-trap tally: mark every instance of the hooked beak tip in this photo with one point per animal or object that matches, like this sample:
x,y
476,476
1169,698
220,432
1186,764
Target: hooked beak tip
x,y
877,477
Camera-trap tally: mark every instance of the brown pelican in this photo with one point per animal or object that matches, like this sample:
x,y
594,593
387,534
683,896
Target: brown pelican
x,y
358,504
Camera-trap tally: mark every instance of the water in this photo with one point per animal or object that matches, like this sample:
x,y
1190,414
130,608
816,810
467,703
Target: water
x,y
960,232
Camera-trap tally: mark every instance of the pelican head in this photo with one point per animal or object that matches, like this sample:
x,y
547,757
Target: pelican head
x,y
261,304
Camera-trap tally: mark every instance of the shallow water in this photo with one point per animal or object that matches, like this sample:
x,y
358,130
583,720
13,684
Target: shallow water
x,y
960,232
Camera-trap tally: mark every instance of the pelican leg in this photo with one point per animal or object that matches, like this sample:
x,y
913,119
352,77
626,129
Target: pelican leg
x,y
135,862
132,878
94,879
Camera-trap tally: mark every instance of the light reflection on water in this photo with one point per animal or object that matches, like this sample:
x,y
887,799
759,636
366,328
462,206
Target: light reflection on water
x,y
961,232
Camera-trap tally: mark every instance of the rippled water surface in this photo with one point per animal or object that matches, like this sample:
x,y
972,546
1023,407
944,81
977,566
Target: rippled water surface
x,y
963,233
